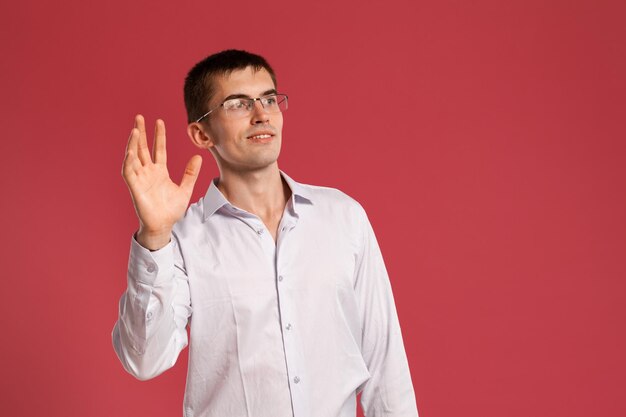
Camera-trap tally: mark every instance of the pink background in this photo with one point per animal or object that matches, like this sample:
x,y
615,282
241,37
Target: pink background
x,y
486,140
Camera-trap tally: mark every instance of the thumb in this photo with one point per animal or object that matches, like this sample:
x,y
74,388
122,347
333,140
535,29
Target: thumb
x,y
191,173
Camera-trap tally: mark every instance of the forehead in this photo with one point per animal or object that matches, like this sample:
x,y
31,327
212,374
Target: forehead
x,y
247,81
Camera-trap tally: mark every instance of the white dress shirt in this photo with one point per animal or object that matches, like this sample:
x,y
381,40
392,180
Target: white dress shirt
x,y
292,328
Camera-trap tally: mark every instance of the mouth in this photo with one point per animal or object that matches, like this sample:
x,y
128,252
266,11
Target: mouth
x,y
261,137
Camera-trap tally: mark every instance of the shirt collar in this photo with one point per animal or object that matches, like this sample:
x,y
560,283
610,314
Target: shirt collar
x,y
214,199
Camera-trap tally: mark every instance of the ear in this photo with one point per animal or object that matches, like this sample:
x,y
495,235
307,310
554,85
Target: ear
x,y
199,136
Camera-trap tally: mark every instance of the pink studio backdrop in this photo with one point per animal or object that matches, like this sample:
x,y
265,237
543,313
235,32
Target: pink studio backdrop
x,y
486,140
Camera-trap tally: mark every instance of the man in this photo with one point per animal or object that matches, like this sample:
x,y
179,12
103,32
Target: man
x,y
292,308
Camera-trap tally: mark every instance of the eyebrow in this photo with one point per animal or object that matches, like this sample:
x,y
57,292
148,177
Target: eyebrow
x,y
265,93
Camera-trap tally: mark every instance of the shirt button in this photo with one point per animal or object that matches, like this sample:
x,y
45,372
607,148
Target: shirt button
x,y
259,232
280,277
296,380
149,315
288,326
151,268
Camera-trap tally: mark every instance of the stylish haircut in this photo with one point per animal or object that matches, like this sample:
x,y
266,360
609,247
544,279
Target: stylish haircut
x,y
199,84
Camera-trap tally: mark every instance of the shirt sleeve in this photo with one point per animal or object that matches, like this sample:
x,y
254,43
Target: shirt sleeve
x,y
389,391
153,311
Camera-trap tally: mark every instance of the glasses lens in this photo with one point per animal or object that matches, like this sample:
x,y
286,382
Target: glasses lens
x,y
282,101
242,107
237,107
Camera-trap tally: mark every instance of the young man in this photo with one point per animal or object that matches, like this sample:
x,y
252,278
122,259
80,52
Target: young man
x,y
292,309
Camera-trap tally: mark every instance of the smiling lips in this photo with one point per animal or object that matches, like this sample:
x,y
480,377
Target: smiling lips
x,y
264,136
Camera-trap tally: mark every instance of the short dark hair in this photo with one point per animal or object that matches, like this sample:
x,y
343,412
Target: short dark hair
x,y
199,87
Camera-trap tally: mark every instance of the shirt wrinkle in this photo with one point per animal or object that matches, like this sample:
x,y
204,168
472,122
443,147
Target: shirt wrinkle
x,y
241,374
274,322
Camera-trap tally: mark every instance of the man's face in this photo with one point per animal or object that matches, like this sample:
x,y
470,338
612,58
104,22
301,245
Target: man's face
x,y
235,142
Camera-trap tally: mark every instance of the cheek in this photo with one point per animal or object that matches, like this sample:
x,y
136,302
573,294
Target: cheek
x,y
227,136
278,122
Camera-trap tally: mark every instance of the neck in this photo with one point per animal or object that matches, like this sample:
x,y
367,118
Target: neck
x,y
262,192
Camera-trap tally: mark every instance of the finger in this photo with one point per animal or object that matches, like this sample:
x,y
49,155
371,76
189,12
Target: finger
x,y
132,145
134,162
132,139
159,154
191,174
131,164
129,171
131,150
143,152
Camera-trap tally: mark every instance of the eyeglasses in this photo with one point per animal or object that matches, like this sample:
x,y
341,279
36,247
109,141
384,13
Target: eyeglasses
x,y
242,107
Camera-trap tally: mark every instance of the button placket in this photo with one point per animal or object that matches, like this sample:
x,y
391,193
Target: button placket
x,y
289,342
286,306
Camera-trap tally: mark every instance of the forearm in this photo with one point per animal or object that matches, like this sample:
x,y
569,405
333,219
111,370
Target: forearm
x,y
389,391
153,312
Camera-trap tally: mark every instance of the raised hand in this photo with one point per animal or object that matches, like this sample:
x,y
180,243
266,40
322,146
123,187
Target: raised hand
x,y
159,202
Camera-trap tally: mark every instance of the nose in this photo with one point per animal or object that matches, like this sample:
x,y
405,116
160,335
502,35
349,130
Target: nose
x,y
259,114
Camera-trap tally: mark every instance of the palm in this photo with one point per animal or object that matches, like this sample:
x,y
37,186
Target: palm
x,y
159,201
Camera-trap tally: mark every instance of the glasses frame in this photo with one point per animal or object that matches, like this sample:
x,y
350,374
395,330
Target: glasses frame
x,y
253,100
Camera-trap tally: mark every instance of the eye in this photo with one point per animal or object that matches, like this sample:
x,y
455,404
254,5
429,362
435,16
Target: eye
x,y
235,104
269,100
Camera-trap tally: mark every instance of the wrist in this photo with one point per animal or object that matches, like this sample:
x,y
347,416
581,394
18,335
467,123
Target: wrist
x,y
153,240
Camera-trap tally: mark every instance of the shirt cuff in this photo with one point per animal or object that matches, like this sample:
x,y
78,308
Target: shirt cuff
x,y
150,267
